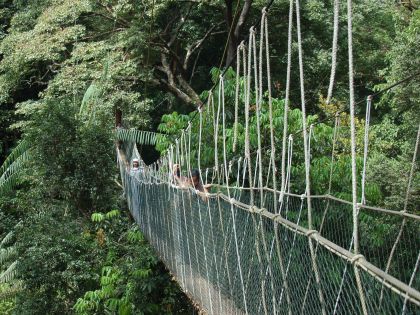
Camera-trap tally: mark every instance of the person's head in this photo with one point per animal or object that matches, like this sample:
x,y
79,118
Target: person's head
x,y
177,170
136,163
195,179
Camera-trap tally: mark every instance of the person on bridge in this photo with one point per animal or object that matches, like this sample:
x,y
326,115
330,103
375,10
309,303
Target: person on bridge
x,y
196,181
180,181
135,167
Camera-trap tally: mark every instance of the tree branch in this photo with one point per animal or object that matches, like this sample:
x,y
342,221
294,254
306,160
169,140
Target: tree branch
x,y
197,45
242,18
183,20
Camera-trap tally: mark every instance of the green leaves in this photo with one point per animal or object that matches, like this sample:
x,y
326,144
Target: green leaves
x,y
97,217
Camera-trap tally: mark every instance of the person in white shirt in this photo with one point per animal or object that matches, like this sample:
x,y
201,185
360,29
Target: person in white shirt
x,y
134,167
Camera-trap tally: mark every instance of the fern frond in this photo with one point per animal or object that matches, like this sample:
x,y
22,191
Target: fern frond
x,y
6,254
9,274
6,240
112,214
97,217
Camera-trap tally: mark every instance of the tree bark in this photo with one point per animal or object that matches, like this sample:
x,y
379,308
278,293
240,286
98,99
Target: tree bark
x,y
235,26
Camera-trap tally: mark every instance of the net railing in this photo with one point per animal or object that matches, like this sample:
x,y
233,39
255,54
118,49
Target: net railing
x,y
232,258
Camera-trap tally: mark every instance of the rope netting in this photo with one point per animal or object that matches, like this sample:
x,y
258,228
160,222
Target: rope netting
x,y
239,243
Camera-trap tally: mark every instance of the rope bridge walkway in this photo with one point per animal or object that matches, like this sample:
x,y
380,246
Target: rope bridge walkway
x,y
251,245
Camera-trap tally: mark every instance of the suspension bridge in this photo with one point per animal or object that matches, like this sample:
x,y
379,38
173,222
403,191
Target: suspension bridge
x,y
251,245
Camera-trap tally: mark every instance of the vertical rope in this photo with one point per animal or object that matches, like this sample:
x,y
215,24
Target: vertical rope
x,y
413,275
353,153
304,126
334,50
235,126
286,103
366,146
238,257
413,167
288,171
264,27
335,135
198,203
258,101
199,141
307,158
189,150
352,128
247,105
216,138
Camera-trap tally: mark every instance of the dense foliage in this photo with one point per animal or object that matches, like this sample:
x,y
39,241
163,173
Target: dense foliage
x,y
69,68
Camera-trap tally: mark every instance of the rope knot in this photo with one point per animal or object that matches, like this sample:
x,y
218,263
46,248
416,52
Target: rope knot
x,y
242,45
253,209
303,196
277,215
264,11
310,232
232,200
260,210
356,258
252,30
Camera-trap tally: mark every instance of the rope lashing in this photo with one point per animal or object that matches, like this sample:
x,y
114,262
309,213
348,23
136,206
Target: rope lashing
x,y
356,258
311,232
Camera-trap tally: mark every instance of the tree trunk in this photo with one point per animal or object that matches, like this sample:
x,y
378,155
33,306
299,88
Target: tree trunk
x,y
235,25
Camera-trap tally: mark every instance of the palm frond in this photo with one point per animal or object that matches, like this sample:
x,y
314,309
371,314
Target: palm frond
x,y
22,147
89,97
92,94
10,177
10,273
138,136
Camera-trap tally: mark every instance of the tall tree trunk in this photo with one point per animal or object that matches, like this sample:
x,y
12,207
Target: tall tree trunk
x,y
235,22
